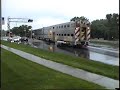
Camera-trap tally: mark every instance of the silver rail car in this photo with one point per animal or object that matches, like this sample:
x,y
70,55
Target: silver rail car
x,y
72,33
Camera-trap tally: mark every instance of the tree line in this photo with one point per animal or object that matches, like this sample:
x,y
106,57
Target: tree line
x,y
23,30
106,28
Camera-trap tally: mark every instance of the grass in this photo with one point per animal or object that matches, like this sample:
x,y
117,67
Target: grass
x,y
82,63
21,74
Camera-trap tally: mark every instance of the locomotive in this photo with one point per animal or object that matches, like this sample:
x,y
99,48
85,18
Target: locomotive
x,y
72,33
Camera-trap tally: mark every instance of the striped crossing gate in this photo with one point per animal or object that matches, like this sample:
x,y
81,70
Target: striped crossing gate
x,y
77,34
82,35
88,33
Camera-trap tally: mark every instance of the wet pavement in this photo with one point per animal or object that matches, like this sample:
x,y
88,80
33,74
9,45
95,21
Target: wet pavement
x,y
91,54
108,47
75,72
104,51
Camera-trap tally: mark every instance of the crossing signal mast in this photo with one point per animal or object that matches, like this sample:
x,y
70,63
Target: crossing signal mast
x,y
18,20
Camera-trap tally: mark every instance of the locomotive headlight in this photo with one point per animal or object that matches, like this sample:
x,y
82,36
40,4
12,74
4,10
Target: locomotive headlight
x,y
88,28
50,32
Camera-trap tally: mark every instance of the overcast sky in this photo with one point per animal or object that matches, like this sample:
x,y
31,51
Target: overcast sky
x,y
49,12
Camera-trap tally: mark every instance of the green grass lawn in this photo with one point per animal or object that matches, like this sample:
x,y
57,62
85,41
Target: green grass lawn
x,y
82,63
21,74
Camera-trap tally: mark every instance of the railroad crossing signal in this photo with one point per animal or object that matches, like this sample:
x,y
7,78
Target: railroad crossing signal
x,y
3,21
20,20
30,20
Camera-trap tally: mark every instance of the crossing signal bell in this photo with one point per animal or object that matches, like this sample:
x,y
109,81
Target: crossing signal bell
x,y
30,20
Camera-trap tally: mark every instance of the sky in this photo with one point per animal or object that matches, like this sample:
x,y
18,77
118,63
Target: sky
x,y
50,12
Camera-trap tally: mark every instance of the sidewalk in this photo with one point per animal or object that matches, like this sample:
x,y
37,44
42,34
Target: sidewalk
x,y
75,72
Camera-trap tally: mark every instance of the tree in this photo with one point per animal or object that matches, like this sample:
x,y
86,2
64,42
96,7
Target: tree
x,y
75,18
79,18
83,18
109,16
106,28
112,23
21,30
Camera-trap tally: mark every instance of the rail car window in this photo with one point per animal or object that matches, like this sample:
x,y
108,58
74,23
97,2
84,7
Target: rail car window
x,y
59,34
68,34
64,26
64,34
72,25
71,34
59,26
53,27
68,25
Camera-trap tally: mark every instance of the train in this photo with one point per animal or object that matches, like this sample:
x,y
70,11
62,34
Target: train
x,y
71,33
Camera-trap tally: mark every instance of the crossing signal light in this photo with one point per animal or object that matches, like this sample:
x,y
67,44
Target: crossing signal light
x,y
3,21
30,20
3,18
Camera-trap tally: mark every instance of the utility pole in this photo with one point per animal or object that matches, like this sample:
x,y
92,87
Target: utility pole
x,y
20,20
43,33
31,34
118,25
0,32
8,25
2,22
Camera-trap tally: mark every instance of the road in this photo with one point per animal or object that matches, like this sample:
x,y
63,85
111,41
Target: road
x,y
92,53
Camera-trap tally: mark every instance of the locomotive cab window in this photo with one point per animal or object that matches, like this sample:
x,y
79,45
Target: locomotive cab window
x,y
83,29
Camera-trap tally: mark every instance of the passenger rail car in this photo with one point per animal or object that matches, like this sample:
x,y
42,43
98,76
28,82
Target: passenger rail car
x,y
72,33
